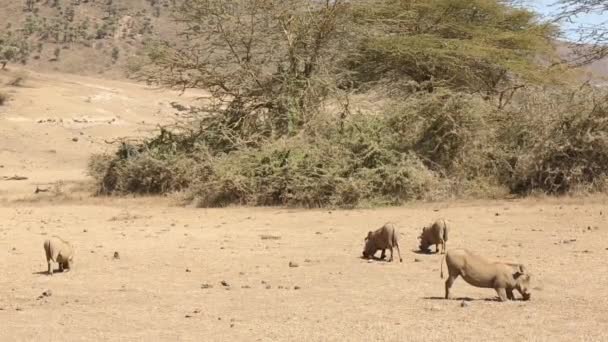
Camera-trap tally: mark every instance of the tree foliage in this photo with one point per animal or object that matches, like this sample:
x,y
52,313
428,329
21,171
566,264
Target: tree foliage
x,y
281,125
470,45
592,39
266,63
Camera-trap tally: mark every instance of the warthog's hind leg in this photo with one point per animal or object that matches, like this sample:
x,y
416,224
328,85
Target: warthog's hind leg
x,y
448,284
383,254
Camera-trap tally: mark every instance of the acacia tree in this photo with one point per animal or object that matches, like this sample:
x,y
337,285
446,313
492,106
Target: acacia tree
x,y
266,63
484,46
592,39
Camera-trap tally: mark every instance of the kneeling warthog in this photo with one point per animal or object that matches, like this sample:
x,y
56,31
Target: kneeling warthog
x,y
436,234
383,238
480,272
59,251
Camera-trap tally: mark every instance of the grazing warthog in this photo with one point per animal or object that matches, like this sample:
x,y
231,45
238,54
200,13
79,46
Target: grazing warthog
x,y
383,238
480,272
59,251
436,234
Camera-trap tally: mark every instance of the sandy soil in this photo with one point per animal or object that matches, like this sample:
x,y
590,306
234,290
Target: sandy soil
x,y
167,283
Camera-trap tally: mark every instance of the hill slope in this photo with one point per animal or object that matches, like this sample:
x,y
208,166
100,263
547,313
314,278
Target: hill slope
x,y
84,37
54,122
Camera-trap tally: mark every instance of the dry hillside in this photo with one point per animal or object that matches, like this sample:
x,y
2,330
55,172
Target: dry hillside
x,y
86,37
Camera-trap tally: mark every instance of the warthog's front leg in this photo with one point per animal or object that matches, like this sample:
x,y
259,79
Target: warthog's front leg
x,y
510,294
502,294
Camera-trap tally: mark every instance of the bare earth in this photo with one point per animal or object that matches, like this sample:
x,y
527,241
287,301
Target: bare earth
x,y
167,283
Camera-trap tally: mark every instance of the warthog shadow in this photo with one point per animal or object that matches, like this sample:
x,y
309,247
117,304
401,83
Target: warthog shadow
x,y
469,299
425,252
375,258
54,271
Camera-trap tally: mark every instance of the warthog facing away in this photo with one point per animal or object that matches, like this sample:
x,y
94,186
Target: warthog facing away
x,y
480,272
436,234
59,251
383,238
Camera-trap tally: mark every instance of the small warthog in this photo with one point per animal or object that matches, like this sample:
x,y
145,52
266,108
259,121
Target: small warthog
x,y
480,272
383,238
436,234
59,251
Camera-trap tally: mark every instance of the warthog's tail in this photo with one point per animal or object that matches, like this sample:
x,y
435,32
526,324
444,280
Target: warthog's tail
x,y
441,267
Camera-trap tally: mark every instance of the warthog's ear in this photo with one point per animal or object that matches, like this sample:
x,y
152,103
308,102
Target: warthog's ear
x,y
369,235
522,269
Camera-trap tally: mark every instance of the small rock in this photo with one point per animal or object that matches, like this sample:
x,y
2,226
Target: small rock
x,y
232,325
219,318
417,260
81,133
225,283
188,270
245,287
293,264
464,304
497,214
307,260
187,316
268,287
75,139
206,286
296,287
196,311
588,227
84,230
263,282
18,309
280,287
47,293
116,256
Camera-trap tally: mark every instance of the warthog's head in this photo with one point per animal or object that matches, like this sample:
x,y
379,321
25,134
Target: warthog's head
x,y
522,282
370,246
424,243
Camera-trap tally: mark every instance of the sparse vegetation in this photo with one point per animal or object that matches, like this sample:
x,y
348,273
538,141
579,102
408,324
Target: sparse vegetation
x,y
4,97
18,79
467,108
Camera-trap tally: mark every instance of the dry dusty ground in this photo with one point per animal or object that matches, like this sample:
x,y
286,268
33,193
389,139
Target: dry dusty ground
x,y
168,254
167,283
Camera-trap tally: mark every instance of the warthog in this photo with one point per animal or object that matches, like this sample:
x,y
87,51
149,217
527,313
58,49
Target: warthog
x,y
480,272
59,251
383,238
436,234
